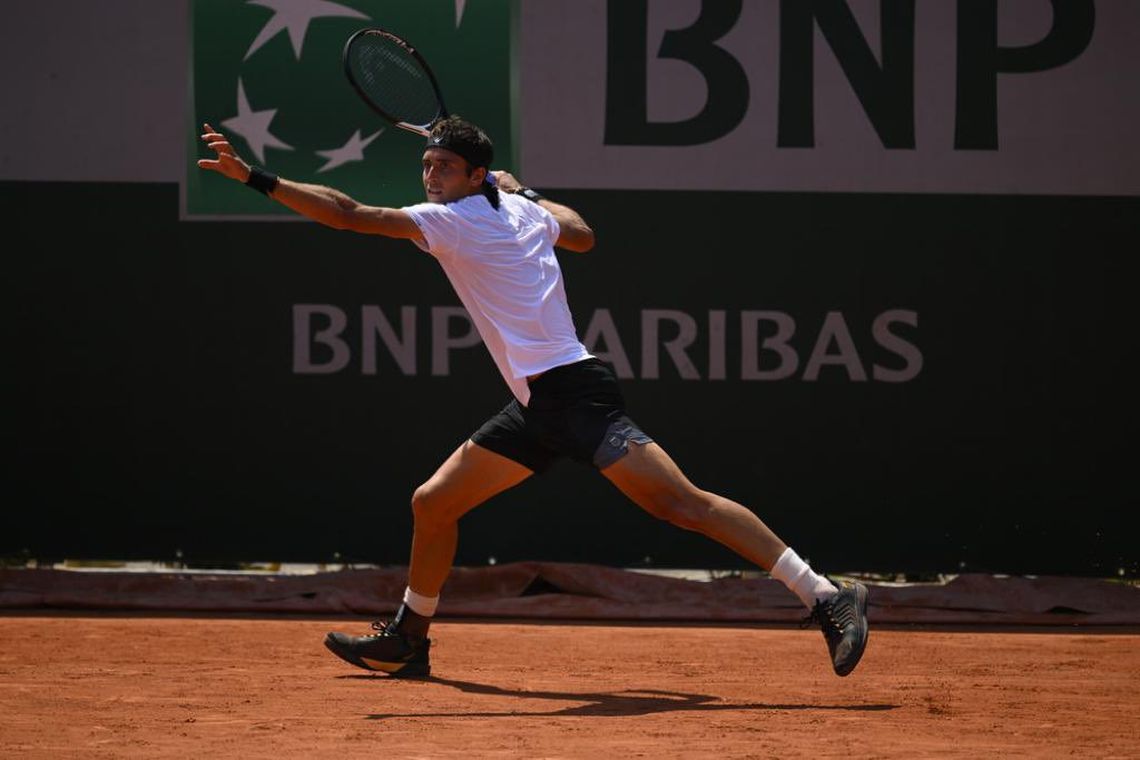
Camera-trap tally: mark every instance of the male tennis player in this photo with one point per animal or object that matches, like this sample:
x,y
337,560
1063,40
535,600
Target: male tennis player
x,y
496,244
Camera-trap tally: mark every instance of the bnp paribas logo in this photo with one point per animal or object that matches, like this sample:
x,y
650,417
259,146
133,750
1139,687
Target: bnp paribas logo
x,y
268,73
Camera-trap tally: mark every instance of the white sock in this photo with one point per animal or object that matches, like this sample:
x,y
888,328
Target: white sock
x,y
420,604
801,580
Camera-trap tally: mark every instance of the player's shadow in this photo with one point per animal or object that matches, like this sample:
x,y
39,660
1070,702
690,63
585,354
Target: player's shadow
x,y
628,702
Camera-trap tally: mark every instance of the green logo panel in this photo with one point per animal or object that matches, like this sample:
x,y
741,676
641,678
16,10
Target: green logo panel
x,y
268,74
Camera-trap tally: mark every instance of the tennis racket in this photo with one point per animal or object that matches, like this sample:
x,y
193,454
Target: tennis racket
x,y
394,79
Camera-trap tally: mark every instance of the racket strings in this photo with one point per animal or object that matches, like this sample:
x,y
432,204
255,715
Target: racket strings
x,y
394,80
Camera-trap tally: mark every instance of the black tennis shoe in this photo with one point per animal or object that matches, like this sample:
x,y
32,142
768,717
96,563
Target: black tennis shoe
x,y
388,650
843,619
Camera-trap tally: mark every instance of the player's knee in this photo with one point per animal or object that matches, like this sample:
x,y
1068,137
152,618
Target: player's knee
x,y
688,509
427,509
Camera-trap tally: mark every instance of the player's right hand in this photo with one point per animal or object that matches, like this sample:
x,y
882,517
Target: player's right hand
x,y
227,161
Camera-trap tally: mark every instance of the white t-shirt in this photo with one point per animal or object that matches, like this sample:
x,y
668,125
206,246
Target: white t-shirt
x,y
503,268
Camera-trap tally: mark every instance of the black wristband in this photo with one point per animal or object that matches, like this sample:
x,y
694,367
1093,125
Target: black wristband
x,y
261,180
530,195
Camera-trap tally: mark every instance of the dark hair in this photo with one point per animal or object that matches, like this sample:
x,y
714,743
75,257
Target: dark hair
x,y
464,138
472,143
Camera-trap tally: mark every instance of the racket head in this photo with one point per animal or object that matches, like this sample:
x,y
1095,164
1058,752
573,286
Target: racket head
x,y
394,79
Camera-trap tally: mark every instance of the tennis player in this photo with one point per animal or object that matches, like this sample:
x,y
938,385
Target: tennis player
x,y
495,240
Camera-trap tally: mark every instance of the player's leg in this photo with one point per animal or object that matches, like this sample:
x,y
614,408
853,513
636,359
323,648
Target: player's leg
x,y
648,476
470,476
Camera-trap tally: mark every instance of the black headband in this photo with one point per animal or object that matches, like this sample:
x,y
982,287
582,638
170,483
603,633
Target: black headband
x,y
477,155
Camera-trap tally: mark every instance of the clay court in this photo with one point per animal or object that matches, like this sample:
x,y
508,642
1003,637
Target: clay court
x,y
118,686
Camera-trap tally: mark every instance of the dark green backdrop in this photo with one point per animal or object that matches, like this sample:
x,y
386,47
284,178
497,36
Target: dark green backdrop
x,y
153,409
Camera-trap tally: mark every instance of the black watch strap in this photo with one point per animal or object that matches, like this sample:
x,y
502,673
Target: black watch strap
x,y
530,195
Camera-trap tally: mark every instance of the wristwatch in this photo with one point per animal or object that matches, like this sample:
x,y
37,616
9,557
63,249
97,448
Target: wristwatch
x,y
529,194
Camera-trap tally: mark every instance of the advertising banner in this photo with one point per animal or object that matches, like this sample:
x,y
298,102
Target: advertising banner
x,y
901,96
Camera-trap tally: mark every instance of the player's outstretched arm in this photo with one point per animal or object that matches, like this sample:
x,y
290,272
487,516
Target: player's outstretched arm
x,y
326,205
575,235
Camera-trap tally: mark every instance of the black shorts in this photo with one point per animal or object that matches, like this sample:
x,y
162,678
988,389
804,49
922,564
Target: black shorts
x,y
575,410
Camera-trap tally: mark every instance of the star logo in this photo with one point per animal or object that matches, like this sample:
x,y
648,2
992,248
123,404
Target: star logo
x,y
295,16
253,126
353,150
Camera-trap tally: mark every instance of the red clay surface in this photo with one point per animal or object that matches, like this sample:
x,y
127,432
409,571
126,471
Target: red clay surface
x,y
130,687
